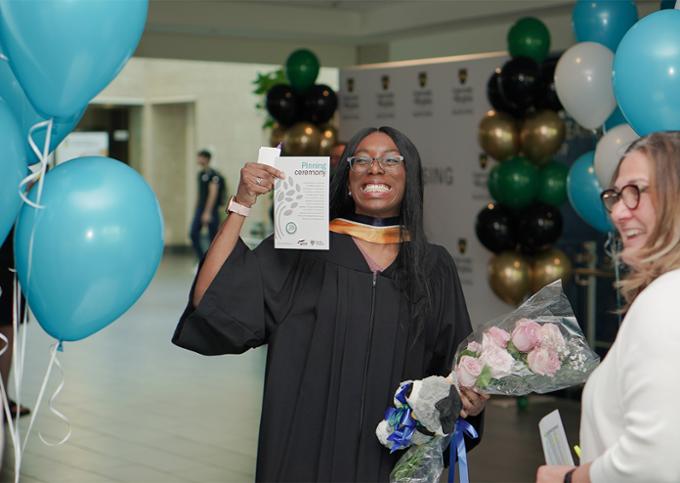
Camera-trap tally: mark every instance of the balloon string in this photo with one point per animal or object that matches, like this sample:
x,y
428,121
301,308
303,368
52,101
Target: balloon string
x,y
40,396
42,157
54,410
5,396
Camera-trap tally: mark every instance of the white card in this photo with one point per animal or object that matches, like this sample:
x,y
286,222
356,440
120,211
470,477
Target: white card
x,y
268,156
554,440
301,203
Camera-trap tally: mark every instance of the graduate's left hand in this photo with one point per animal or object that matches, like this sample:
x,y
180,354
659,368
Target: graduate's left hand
x,y
473,402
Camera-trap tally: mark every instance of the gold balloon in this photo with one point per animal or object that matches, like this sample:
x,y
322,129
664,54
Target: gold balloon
x,y
548,267
302,139
498,135
277,135
329,137
541,135
509,276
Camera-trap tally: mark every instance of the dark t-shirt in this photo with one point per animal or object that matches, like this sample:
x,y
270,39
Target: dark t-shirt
x,y
206,177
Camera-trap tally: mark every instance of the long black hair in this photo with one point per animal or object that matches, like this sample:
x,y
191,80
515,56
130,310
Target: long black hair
x,y
411,274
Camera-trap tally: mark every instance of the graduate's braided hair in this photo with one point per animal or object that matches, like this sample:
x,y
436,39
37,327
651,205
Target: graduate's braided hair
x,y
411,273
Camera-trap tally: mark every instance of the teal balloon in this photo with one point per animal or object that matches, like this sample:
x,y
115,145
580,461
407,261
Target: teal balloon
x,y
603,21
646,73
27,117
302,69
13,169
616,119
518,183
493,182
552,184
97,245
64,52
584,190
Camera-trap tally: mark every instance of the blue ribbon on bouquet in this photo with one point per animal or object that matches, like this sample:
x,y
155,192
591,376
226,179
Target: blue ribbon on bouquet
x,y
401,421
460,453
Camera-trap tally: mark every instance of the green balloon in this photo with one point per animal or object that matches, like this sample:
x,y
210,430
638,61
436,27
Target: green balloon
x,y
529,37
518,183
302,68
552,183
493,182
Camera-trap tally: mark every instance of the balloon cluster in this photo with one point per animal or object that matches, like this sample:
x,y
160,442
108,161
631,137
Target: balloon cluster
x,y
90,236
302,109
583,82
523,132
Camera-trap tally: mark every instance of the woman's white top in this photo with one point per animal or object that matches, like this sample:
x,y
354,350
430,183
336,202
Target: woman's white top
x,y
630,421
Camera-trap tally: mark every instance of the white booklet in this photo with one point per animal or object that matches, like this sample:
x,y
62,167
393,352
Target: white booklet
x,y
301,203
554,439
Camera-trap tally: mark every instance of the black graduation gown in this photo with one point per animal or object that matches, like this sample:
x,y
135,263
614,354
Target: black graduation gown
x,y
339,342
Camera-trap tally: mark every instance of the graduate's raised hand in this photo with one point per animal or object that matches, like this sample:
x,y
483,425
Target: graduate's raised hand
x,y
473,402
256,179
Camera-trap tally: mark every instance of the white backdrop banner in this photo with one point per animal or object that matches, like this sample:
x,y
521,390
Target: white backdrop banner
x,y
438,104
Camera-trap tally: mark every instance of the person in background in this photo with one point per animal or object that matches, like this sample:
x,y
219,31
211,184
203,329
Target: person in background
x,y
212,193
629,416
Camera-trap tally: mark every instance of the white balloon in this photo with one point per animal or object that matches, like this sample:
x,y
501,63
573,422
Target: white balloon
x,y
583,81
609,151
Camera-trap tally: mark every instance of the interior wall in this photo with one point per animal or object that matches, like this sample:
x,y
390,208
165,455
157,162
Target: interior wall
x,y
168,168
488,35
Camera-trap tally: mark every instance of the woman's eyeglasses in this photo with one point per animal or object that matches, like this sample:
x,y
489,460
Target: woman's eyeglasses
x,y
629,194
361,164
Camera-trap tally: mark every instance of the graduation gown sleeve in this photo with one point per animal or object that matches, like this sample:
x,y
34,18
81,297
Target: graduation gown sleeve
x,y
249,297
454,325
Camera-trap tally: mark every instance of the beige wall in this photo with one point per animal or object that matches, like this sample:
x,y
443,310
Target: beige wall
x,y
489,34
186,106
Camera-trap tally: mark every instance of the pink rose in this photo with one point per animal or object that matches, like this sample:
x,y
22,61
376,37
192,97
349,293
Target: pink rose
x,y
475,347
544,361
527,335
468,370
499,361
551,338
499,336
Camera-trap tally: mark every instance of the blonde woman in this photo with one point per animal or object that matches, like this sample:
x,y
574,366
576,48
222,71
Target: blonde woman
x,y
630,421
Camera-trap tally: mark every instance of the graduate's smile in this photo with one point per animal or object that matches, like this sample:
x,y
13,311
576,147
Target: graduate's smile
x,y
378,190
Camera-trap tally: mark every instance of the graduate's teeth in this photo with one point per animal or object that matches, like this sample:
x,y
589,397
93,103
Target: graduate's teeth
x,y
373,188
632,233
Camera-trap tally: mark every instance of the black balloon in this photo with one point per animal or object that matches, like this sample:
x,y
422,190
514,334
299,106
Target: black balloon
x,y
319,104
548,98
495,228
282,104
496,99
520,82
538,227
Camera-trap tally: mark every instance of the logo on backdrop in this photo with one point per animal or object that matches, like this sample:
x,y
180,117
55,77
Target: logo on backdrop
x,y
422,98
462,76
462,95
349,101
422,79
462,245
385,81
483,160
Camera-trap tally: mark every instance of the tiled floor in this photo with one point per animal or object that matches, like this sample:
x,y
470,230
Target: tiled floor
x,y
142,410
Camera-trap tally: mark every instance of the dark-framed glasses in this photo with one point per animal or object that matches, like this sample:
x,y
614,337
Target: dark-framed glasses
x,y
362,163
629,194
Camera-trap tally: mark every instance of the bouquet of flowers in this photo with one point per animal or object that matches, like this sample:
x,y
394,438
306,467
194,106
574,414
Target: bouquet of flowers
x,y
538,347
